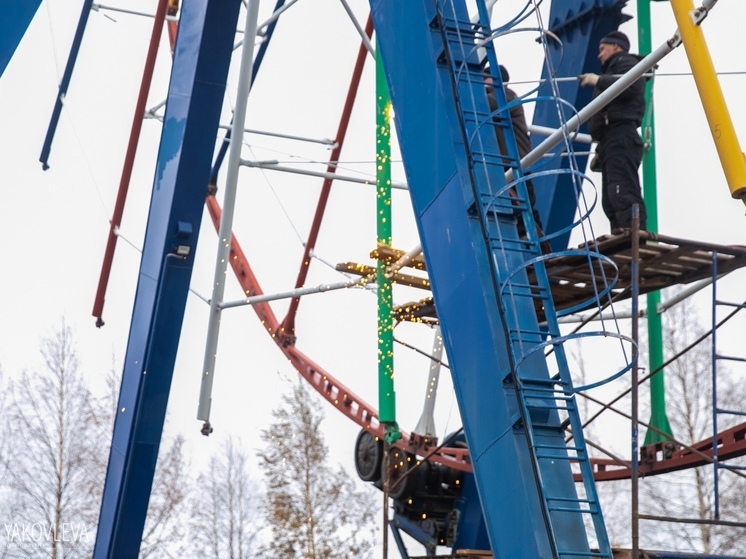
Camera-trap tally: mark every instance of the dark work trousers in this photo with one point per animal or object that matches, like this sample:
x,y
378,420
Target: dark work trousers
x,y
620,152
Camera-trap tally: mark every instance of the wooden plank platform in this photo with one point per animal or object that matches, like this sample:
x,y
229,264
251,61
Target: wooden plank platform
x,y
663,261
577,278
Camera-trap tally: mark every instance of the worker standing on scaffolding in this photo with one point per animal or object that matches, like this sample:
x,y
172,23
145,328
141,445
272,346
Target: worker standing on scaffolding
x,y
619,149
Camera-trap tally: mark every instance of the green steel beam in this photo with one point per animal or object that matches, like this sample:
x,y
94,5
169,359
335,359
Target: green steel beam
x,y
658,417
386,392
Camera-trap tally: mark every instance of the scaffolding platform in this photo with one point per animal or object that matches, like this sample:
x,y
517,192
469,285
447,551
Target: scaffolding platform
x,y
662,262
576,277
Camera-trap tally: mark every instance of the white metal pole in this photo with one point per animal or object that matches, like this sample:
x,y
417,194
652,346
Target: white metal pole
x,y
597,104
426,424
226,219
359,282
361,31
403,261
273,166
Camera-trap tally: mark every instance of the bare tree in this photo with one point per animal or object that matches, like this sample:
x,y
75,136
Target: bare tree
x,y
58,447
226,508
3,440
51,468
7,509
313,511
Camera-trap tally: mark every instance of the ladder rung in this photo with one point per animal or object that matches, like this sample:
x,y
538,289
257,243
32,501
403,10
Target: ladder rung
x,y
527,332
489,197
527,336
552,381
583,553
526,295
560,447
463,25
542,426
532,287
553,427
573,500
562,455
539,393
730,466
730,412
499,207
508,244
546,386
537,408
556,457
730,358
493,160
544,402
523,246
544,395
570,509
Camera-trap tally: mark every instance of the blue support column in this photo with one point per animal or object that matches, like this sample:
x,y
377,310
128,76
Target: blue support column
x,y
579,26
198,78
464,289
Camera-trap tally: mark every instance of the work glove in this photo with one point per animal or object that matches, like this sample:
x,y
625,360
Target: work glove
x,y
588,80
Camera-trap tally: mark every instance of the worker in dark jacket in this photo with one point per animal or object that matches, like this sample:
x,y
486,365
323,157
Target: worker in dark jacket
x,y
619,150
520,130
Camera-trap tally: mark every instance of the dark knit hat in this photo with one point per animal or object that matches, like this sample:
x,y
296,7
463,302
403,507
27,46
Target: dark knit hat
x,y
616,38
504,75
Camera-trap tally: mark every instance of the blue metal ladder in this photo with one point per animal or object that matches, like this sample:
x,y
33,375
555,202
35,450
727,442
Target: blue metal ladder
x,y
546,406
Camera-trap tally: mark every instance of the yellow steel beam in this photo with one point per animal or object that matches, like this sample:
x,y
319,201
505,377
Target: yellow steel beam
x,y
713,101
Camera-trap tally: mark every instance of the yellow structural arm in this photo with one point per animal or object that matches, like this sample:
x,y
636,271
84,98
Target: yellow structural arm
x,y
713,101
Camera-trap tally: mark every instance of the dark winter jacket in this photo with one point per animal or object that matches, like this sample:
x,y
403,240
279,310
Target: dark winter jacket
x,y
517,117
629,105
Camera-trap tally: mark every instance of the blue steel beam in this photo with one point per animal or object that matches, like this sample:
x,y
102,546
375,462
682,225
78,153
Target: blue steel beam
x,y
579,26
198,78
65,83
458,263
17,15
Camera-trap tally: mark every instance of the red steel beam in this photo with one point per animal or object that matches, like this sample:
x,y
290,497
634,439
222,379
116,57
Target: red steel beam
x,y
287,328
656,460
244,273
346,401
129,160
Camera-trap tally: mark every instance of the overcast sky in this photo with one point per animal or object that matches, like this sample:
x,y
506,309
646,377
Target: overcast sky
x,y
54,223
